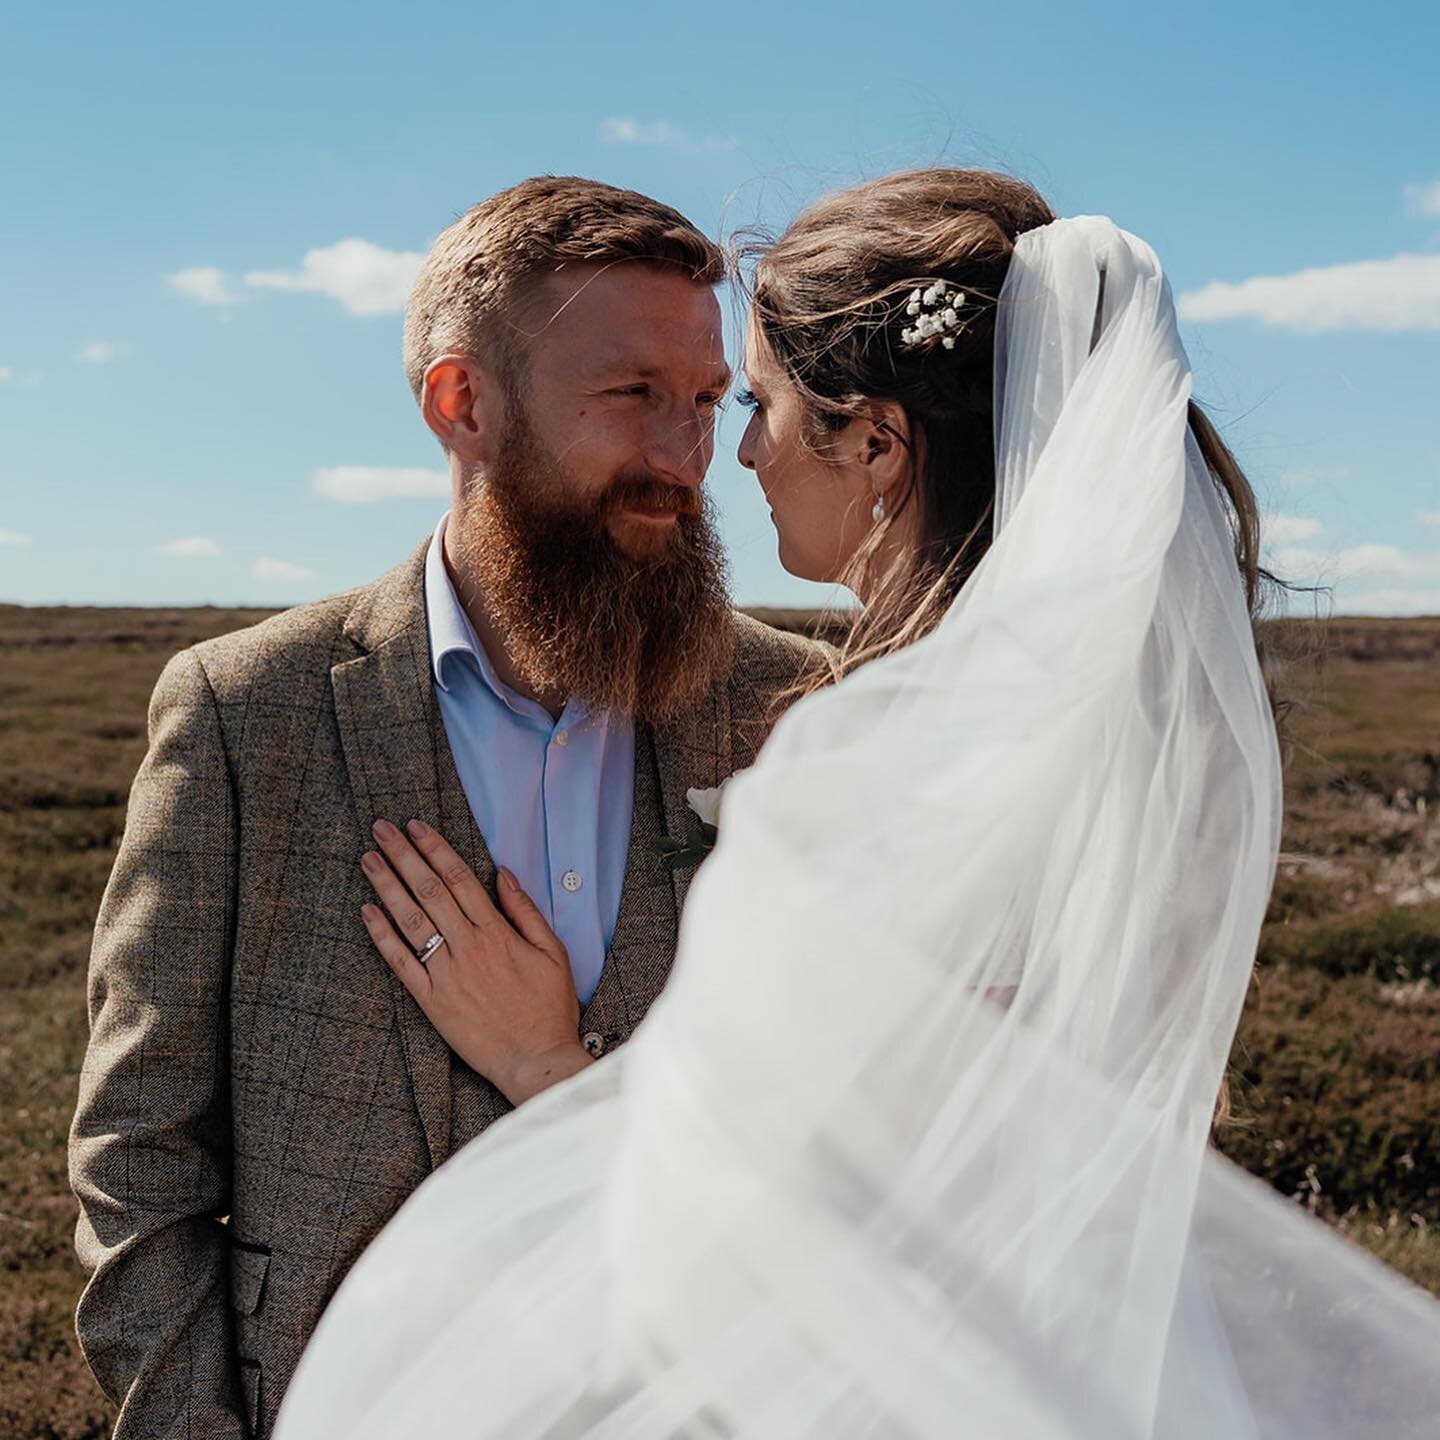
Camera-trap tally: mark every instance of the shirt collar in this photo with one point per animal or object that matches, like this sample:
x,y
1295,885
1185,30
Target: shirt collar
x,y
451,633
450,629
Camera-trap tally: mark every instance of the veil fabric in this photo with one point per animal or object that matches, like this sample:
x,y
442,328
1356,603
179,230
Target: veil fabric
x,y
914,1142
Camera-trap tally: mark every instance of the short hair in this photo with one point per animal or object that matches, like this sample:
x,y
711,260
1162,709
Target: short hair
x,y
478,271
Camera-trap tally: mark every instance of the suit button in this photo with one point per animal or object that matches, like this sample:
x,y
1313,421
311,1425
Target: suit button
x,y
594,1044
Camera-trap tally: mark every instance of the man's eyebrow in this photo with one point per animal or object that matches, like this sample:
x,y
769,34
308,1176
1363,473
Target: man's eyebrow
x,y
721,376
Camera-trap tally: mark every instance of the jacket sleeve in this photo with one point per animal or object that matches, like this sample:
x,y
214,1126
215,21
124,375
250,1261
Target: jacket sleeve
x,y
150,1158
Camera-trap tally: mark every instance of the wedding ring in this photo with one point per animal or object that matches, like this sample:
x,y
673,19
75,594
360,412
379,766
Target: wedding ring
x,y
430,947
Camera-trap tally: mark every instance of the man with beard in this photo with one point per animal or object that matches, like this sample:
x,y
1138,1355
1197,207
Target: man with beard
x,y
541,682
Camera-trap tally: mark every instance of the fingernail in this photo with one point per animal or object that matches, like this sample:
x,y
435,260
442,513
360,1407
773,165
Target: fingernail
x,y
369,911
418,827
385,830
370,860
506,878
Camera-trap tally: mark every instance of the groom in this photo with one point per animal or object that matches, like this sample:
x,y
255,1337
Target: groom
x,y
542,681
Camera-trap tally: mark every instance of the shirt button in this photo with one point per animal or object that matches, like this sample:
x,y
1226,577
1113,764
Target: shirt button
x,y
571,881
562,737
594,1044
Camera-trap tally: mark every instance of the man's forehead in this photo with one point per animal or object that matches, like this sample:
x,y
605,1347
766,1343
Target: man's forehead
x,y
652,295
642,320
648,353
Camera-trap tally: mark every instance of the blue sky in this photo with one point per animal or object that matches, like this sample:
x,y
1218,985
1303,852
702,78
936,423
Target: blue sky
x,y
184,395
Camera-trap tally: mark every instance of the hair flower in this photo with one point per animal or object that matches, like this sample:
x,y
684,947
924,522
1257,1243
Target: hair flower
x,y
936,309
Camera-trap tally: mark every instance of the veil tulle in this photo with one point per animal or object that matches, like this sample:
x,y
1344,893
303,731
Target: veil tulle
x,y
914,1143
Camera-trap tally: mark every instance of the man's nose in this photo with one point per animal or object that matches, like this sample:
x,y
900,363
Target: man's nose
x,y
681,449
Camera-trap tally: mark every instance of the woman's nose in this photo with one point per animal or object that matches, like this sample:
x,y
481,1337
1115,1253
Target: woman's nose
x,y
746,453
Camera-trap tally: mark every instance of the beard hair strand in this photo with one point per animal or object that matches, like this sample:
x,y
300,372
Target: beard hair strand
x,y
644,637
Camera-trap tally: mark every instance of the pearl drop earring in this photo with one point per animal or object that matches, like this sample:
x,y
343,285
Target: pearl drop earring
x,y
878,513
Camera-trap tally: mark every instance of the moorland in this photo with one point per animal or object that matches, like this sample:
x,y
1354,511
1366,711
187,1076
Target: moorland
x,y
1335,1075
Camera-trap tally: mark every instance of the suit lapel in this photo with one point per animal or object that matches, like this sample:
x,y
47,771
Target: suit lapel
x,y
643,943
400,767
693,752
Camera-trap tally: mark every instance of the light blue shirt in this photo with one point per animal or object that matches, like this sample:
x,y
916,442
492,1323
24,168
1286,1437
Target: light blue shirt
x,y
554,799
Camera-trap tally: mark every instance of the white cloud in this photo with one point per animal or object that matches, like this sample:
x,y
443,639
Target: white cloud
x,y
9,537
1364,579
1391,602
1308,564
625,130
191,546
1428,517
1302,564
365,484
102,352
280,571
6,373
1388,560
1423,200
1285,529
1401,293
366,279
205,285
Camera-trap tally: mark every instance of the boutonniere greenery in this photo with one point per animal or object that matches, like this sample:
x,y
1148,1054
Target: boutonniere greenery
x,y
685,852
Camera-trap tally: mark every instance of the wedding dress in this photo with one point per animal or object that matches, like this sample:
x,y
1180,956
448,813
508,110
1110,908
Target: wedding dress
x,y
914,1143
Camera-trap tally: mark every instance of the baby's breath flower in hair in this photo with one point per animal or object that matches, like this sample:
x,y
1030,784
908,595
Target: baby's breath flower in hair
x,y
936,311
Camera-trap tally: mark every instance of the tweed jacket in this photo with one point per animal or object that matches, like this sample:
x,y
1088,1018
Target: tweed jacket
x,y
260,1093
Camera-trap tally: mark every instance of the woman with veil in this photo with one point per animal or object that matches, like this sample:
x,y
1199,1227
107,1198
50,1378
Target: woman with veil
x,y
914,1143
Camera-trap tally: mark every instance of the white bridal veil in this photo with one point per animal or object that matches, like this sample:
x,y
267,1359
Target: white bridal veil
x,y
914,1144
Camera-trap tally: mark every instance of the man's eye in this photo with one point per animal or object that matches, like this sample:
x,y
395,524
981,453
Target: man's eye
x,y
640,388
711,402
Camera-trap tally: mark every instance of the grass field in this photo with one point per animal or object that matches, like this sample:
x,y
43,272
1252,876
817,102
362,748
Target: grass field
x,y
1336,1078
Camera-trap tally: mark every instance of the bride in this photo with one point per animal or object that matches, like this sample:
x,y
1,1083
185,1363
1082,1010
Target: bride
x,y
914,1144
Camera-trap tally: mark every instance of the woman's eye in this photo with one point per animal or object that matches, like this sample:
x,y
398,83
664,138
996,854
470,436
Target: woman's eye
x,y
747,399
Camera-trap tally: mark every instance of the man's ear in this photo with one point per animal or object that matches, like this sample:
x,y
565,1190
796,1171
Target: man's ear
x,y
463,404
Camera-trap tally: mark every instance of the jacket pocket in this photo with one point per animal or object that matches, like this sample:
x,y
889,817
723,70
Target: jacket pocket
x,y
250,1384
249,1265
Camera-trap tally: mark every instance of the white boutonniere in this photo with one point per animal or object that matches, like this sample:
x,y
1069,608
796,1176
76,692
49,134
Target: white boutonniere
x,y
706,803
680,853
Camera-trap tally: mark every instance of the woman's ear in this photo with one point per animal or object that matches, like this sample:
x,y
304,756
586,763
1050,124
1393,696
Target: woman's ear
x,y
885,447
463,405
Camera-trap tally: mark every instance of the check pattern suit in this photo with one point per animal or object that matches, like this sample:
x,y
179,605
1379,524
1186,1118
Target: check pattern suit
x,y
260,1093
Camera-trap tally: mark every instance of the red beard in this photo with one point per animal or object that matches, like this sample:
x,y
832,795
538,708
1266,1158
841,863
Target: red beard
x,y
644,636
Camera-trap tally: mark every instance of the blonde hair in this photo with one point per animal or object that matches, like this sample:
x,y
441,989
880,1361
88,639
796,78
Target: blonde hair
x,y
483,268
